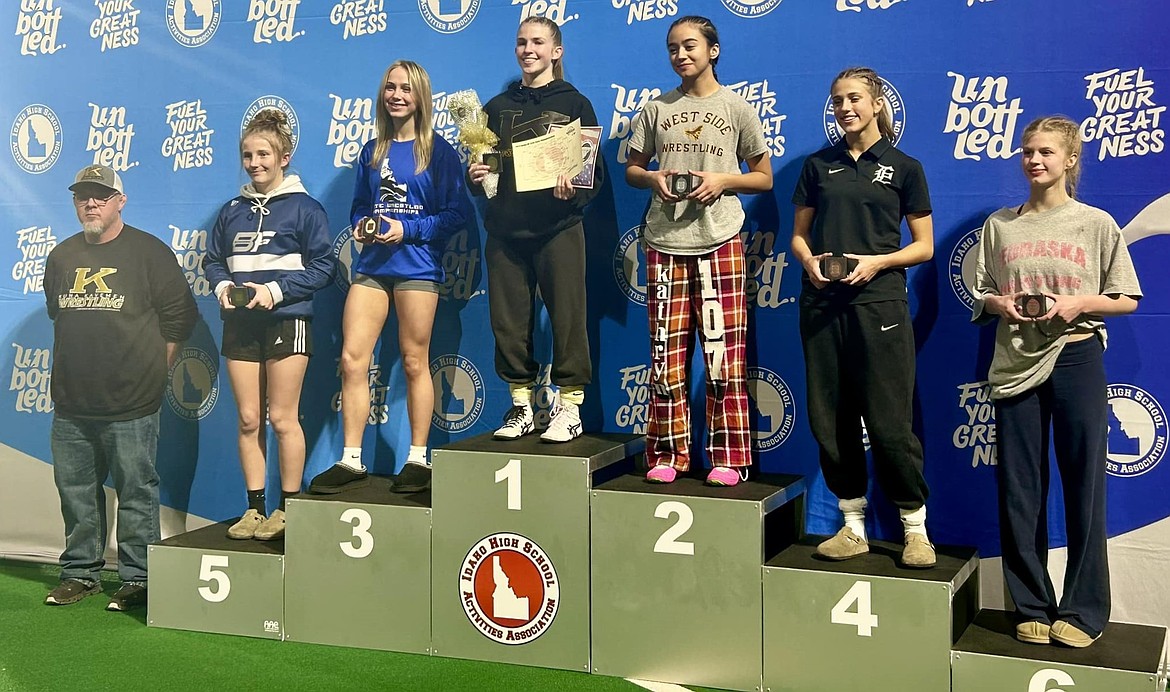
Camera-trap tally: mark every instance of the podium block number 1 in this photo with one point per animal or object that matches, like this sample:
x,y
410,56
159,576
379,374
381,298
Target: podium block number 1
x,y
362,543
511,473
208,573
1039,681
863,618
668,542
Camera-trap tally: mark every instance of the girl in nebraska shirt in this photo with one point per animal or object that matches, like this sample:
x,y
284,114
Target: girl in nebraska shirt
x,y
1070,261
702,132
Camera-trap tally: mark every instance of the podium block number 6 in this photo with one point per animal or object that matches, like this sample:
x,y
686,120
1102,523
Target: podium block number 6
x,y
668,542
863,618
511,473
363,541
208,573
1039,681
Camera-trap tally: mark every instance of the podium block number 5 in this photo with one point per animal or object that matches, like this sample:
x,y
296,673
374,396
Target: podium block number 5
x,y
863,618
362,543
208,573
668,542
511,473
1039,681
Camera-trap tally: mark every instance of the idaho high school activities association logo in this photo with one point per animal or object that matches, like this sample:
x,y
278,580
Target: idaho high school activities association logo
x,y
509,588
35,138
1137,431
346,251
272,101
961,267
459,391
751,9
895,107
194,384
775,408
193,22
449,16
629,265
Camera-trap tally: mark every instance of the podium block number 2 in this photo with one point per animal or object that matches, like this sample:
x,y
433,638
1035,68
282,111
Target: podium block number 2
x,y
511,473
209,573
862,618
668,542
362,543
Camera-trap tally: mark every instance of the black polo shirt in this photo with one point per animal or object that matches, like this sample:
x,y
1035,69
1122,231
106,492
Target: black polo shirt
x,y
859,209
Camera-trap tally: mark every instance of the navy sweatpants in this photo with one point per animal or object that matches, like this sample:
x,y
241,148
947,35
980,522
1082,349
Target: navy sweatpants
x,y
1070,410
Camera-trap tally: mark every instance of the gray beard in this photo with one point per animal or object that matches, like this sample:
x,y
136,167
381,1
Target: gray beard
x,y
93,231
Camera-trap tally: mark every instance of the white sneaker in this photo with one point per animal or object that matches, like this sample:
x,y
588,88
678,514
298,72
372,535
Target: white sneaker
x,y
517,423
564,422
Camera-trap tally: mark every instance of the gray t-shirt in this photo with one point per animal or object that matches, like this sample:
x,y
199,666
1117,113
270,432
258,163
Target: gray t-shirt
x,y
1073,249
687,133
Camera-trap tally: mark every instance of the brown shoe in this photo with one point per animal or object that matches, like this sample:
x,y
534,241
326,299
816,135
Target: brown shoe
x,y
843,546
272,529
1064,633
1033,632
246,527
918,553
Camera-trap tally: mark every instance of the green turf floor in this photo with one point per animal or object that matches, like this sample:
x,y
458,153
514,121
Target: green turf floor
x,y
83,647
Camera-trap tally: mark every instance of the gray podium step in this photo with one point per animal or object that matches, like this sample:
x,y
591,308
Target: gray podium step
x,y
988,658
865,623
510,546
677,595
204,581
358,569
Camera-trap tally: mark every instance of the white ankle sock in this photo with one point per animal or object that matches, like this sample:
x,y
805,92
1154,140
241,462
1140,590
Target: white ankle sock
x,y
854,511
351,458
418,455
914,521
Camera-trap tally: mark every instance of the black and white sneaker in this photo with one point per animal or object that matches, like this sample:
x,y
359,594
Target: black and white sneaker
x,y
338,478
413,478
132,595
71,591
517,423
564,422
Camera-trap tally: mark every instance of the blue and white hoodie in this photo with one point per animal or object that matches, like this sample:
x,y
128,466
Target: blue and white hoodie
x,y
281,240
431,205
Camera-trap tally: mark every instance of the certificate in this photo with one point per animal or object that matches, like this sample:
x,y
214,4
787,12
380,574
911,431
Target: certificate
x,y
540,160
590,145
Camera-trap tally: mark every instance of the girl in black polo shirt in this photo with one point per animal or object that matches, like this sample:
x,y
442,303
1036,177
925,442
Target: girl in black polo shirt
x,y
858,341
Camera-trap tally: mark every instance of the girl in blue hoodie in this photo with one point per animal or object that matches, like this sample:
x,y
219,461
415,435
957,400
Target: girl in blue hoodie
x,y
268,253
410,192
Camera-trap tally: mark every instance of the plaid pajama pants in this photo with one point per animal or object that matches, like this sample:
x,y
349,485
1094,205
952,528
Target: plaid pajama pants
x,y
705,294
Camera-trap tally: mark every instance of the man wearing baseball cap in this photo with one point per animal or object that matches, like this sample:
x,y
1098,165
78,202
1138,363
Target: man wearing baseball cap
x,y
120,307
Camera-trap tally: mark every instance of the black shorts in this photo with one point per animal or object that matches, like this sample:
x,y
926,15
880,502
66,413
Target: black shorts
x,y
256,341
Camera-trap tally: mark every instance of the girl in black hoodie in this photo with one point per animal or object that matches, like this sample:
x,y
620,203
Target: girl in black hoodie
x,y
536,239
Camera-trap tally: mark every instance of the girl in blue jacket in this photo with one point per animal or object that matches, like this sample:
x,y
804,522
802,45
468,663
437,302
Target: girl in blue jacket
x,y
410,194
268,253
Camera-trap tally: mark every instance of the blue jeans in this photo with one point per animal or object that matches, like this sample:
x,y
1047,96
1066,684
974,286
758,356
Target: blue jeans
x,y
84,453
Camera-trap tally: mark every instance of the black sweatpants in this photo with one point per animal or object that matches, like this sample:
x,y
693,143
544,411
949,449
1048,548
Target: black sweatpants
x,y
557,266
1073,402
859,362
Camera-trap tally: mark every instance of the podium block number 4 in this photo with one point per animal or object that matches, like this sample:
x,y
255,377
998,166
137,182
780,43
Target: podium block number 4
x,y
208,573
1039,681
511,473
668,542
362,543
862,618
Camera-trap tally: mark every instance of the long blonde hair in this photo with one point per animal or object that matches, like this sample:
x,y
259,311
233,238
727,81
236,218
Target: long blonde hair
x,y
424,135
875,86
554,31
1070,136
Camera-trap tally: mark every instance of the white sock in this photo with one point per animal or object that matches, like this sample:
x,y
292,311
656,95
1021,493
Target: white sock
x,y
418,455
521,394
854,511
914,521
351,458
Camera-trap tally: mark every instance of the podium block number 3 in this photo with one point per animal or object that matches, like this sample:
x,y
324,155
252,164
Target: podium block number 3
x,y
863,618
362,543
209,573
668,542
511,473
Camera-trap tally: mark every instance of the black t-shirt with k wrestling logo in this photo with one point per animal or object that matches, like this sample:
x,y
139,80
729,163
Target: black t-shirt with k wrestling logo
x,y
114,307
859,209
